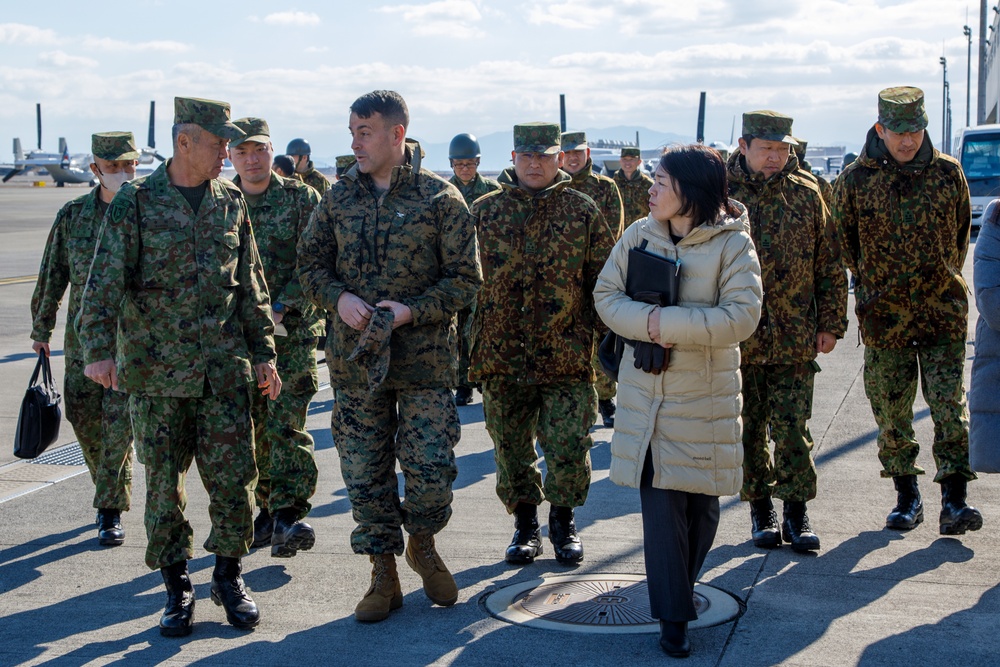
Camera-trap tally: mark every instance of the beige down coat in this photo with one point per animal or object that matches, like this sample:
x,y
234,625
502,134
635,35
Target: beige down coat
x,y
690,414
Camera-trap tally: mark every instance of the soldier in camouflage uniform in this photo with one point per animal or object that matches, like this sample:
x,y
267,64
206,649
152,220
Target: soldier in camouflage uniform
x,y
344,162
633,184
903,212
393,245
299,151
805,303
464,154
542,246
825,188
279,209
604,192
177,274
99,416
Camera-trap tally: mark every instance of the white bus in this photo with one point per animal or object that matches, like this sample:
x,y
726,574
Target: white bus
x,y
979,152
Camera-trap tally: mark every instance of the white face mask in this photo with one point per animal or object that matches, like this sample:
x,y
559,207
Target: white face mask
x,y
114,181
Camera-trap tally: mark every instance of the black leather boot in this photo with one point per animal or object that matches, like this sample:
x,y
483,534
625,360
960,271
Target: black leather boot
x,y
263,528
527,542
674,639
607,409
795,528
909,509
290,535
562,534
956,516
178,615
463,395
764,524
109,528
229,592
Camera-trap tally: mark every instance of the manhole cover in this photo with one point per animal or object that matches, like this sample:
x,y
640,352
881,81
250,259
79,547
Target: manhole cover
x,y
599,603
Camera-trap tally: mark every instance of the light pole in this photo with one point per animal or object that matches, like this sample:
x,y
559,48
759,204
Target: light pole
x,y
967,31
944,103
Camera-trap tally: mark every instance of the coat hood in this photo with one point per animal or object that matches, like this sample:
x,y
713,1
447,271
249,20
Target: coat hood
x,y
508,180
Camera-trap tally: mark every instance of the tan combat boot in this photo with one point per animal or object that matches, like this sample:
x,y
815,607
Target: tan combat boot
x,y
439,585
384,594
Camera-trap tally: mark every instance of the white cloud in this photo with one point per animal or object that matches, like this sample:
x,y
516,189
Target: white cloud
x,y
292,18
108,44
29,35
64,60
456,19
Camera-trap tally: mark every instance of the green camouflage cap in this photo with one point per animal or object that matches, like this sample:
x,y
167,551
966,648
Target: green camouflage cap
x,y
574,141
210,115
256,130
631,151
536,137
901,109
114,146
345,162
768,126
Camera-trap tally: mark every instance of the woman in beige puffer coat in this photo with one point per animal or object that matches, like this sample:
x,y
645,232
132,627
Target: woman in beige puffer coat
x,y
678,434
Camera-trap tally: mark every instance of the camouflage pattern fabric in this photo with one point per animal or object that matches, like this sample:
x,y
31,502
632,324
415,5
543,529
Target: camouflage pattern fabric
x,y
415,244
315,179
805,287
605,194
891,387
537,137
769,126
114,146
476,188
417,427
99,417
103,427
901,109
210,115
635,195
216,432
283,450
777,402
605,387
559,415
905,232
541,254
373,350
185,292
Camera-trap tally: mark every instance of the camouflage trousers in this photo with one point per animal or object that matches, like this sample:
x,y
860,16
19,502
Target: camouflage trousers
x,y
101,422
559,415
606,387
891,387
417,427
283,449
216,431
777,403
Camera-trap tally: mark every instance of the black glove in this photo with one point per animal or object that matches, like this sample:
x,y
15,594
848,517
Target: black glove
x,y
650,357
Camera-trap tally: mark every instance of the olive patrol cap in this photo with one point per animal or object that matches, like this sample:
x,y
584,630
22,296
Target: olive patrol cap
x,y
114,146
210,115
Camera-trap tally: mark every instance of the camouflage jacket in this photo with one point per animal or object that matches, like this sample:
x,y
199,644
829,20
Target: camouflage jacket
x,y
805,287
415,244
278,216
317,180
479,186
186,291
605,194
541,255
905,230
635,194
825,188
66,261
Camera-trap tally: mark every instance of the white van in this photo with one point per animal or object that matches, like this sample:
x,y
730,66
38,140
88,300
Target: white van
x,y
979,152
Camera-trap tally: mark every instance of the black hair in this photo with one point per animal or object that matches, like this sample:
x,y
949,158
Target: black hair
x,y
388,103
699,176
285,164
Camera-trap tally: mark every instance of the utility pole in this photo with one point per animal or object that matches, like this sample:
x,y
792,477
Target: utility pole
x,y
967,31
981,74
944,104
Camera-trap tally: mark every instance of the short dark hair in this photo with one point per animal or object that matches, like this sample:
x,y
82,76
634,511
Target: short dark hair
x,y
285,164
748,139
388,103
699,174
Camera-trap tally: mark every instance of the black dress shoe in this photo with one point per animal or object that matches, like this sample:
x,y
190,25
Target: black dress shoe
x,y
109,528
290,535
178,614
674,639
263,528
229,592
562,534
527,542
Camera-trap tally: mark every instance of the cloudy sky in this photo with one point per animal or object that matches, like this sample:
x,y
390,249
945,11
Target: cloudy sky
x,y
476,66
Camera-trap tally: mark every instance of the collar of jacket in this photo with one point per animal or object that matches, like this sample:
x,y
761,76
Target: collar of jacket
x,y
583,174
90,203
158,184
270,196
705,231
875,155
508,180
739,172
407,172
636,175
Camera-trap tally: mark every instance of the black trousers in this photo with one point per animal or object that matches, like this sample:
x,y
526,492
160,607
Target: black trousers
x,y
678,530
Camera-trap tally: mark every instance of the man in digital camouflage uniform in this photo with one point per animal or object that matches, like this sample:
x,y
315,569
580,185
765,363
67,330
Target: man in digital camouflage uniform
x,y
99,416
299,151
464,154
803,314
176,272
604,192
633,184
391,253
903,213
279,210
542,245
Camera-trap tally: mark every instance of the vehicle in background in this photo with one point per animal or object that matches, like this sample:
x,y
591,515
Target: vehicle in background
x,y
978,149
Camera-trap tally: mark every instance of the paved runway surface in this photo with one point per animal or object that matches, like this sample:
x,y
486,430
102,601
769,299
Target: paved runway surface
x,y
869,597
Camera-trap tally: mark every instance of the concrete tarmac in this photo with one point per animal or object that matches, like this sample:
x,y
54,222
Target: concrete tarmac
x,y
869,597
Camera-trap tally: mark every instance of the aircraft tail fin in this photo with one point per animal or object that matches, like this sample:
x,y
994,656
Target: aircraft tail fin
x,y
18,151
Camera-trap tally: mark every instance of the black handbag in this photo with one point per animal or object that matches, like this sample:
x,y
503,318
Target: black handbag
x,y
38,421
650,278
